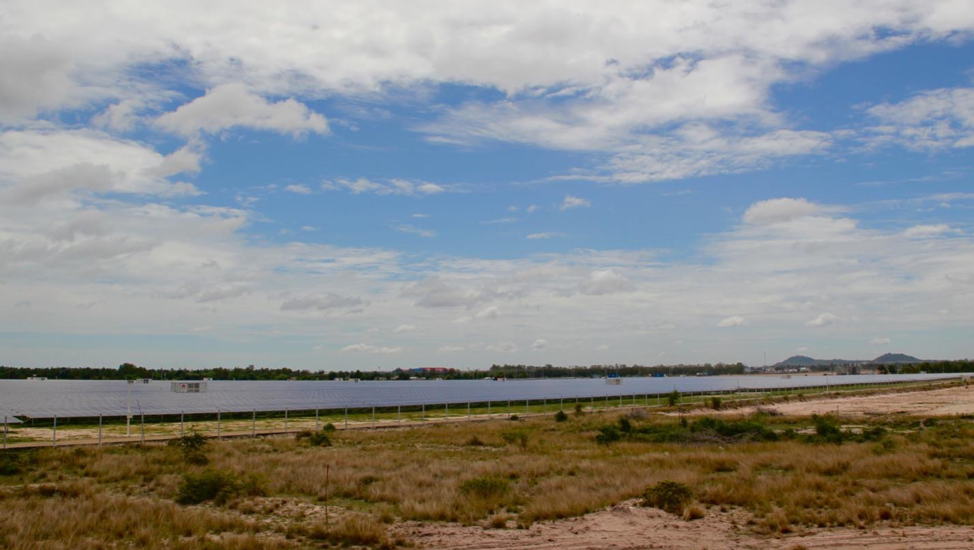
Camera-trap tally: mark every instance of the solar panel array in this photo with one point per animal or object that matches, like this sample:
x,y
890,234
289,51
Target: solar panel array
x,y
91,398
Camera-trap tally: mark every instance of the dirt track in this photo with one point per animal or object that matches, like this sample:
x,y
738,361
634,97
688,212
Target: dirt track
x,y
630,527
952,401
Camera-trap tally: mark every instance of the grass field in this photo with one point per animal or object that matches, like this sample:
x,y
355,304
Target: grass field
x,y
784,475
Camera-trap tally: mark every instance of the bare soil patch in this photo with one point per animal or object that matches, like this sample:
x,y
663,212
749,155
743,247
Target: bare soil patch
x,y
630,527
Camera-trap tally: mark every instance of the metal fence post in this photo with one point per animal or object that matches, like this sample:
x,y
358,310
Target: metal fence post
x,y
399,414
346,418
285,419
468,412
99,430
182,423
373,417
4,432
54,433
488,409
218,424
424,412
142,421
253,424
316,418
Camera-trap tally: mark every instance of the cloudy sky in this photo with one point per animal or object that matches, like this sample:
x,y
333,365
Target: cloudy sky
x,y
383,184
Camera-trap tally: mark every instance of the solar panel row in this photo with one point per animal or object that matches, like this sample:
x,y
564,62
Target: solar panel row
x,y
74,398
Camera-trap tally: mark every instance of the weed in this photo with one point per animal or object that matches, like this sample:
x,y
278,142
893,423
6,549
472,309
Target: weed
x,y
579,409
669,496
673,398
192,447
560,416
519,437
319,439
217,486
474,441
715,403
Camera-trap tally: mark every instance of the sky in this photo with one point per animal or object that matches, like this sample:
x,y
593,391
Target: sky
x,y
372,185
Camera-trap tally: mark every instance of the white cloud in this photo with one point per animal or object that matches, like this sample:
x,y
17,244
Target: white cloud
x,y
499,220
539,345
930,120
491,312
370,349
451,349
604,282
531,209
880,341
822,320
412,230
733,321
389,187
546,235
403,328
929,231
234,105
320,302
781,210
298,189
574,202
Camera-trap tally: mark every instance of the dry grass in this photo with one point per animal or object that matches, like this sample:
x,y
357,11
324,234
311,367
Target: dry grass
x,y
123,495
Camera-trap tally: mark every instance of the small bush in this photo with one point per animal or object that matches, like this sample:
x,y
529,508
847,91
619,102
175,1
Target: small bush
x,y
498,521
669,496
560,416
474,441
193,448
9,464
608,434
519,437
514,417
329,427
715,403
209,485
673,398
579,409
319,439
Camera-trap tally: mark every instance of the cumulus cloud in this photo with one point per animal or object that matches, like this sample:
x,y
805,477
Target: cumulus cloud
x,y
490,312
733,321
539,345
880,341
822,320
370,349
298,189
574,202
545,235
403,328
781,210
234,105
502,347
604,282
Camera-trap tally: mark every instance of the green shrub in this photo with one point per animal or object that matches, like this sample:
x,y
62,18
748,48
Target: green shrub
x,y
209,485
9,464
216,486
715,403
514,417
192,446
673,398
579,409
329,427
670,496
608,434
319,439
560,416
519,437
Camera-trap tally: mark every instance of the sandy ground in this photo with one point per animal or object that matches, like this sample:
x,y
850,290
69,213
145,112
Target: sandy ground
x,y
952,401
626,526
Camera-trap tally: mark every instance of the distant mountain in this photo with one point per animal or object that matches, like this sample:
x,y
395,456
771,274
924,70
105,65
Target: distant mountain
x,y
889,358
885,359
804,361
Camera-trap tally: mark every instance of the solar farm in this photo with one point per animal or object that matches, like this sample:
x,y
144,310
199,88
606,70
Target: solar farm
x,y
46,399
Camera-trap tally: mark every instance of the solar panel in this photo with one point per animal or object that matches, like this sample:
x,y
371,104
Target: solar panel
x,y
91,398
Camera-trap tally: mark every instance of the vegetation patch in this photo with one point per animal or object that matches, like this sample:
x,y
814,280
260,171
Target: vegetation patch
x,y
669,496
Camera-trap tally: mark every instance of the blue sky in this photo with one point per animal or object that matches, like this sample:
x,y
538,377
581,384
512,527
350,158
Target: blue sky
x,y
370,187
